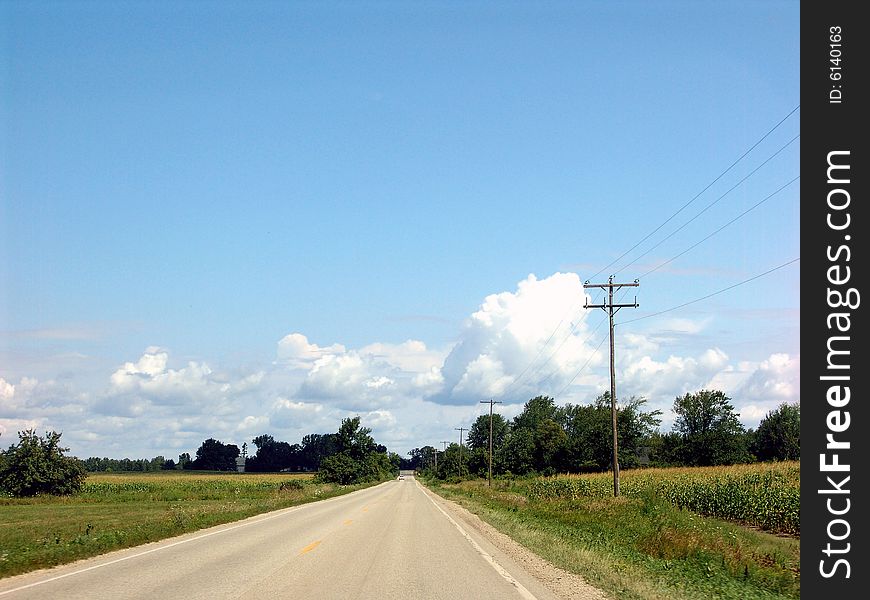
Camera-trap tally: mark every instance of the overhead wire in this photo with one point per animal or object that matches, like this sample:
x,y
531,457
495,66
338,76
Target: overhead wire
x,y
586,364
730,287
696,196
588,360
519,377
699,242
706,208
556,370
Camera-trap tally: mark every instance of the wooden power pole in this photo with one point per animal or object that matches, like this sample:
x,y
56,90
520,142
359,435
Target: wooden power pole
x,y
444,442
609,309
490,402
460,430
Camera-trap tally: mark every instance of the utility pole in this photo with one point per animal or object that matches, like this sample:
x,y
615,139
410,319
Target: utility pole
x,y
490,402
445,452
460,429
609,309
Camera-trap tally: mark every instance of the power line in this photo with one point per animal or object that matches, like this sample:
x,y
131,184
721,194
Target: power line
x,y
709,185
696,244
730,287
541,351
706,208
589,337
559,347
591,356
519,377
586,364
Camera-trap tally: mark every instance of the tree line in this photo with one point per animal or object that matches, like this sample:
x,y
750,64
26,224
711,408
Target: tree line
x,y
38,465
545,438
350,455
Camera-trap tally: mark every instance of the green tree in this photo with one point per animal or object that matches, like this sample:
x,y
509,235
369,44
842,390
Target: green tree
x,y
478,444
711,433
535,441
355,440
478,434
449,462
272,455
779,434
664,449
38,466
536,410
518,452
184,460
590,442
214,455
358,458
339,468
421,458
316,447
590,432
550,445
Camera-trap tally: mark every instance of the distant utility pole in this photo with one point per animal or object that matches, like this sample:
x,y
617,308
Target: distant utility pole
x,y
609,309
445,452
490,402
460,429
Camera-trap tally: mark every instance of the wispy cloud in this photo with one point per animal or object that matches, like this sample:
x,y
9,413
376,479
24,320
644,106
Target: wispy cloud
x,y
70,333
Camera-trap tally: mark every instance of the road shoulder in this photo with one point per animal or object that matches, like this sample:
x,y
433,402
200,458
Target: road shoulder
x,y
509,553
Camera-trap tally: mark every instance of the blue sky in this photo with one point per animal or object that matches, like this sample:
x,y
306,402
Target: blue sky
x,y
226,219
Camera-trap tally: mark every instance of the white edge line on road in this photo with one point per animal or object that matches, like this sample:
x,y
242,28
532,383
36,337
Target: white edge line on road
x,y
525,593
246,522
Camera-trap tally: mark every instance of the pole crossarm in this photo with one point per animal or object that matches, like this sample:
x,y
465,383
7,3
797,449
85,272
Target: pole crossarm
x,y
612,287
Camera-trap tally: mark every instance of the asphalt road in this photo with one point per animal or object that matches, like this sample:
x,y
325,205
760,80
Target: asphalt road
x,y
391,541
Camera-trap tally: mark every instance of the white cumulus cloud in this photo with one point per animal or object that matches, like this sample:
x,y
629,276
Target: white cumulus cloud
x,y
295,349
530,341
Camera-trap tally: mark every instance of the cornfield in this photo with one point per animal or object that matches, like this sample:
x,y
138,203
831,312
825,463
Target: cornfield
x,y
762,495
192,486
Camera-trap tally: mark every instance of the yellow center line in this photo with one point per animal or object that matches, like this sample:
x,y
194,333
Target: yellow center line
x,y
309,547
348,522
366,509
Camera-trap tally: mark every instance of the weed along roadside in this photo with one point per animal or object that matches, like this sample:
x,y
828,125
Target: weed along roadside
x,y
657,540
115,511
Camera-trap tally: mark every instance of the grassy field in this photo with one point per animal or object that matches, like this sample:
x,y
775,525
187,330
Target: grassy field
x,y
122,510
648,544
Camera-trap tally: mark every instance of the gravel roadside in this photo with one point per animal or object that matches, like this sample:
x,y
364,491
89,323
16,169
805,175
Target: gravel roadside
x,y
560,582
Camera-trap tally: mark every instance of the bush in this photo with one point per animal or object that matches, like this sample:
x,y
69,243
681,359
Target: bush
x,y
37,466
340,469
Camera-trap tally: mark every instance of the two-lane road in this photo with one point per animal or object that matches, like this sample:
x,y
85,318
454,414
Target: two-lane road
x,y
391,541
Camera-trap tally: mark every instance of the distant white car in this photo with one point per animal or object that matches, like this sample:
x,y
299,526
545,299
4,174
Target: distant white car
x,y
401,477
